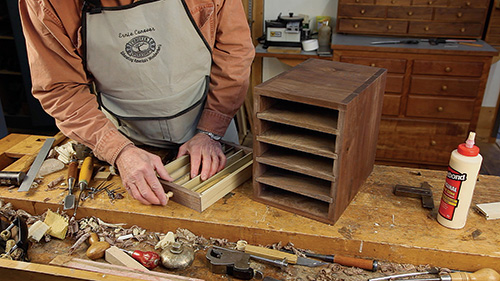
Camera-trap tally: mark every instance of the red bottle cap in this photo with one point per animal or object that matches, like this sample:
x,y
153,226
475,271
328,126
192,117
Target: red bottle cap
x,y
466,151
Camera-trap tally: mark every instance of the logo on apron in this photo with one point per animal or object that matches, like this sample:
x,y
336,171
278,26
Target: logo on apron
x,y
141,49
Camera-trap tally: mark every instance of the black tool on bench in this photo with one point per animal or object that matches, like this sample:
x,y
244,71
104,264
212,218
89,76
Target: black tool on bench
x,y
423,192
21,236
231,262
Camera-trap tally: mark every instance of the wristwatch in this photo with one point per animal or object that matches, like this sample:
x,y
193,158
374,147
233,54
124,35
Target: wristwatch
x,y
211,135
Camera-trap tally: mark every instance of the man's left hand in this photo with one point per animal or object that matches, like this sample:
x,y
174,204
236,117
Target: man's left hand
x,y
206,152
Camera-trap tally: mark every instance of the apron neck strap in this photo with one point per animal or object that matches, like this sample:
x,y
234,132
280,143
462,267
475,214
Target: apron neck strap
x,y
92,6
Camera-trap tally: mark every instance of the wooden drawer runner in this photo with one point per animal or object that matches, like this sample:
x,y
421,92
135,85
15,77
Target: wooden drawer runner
x,y
392,65
422,141
451,68
426,85
435,107
372,26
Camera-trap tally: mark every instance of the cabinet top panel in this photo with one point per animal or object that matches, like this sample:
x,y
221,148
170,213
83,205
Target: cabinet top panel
x,y
322,83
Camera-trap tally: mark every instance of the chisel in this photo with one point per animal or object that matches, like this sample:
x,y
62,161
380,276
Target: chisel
x,y
69,200
280,255
84,178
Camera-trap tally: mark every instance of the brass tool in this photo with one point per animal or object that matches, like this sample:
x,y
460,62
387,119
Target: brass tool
x,y
84,178
69,200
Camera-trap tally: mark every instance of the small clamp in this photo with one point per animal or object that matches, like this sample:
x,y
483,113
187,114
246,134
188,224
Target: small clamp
x,y
234,263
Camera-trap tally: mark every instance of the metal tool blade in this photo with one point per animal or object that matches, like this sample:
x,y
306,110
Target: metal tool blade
x,y
35,167
69,202
309,262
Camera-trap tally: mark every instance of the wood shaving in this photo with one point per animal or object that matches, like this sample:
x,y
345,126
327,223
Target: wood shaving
x,y
79,242
54,183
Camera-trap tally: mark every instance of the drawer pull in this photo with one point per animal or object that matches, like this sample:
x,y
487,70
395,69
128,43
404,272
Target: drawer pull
x,y
389,27
447,69
355,25
362,11
430,2
459,14
357,1
440,109
433,142
410,13
393,1
462,29
444,88
426,28
467,3
372,64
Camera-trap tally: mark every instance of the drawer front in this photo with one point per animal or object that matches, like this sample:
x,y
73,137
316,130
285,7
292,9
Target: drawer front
x,y
357,1
439,107
392,65
445,29
460,15
416,141
372,26
470,3
394,83
430,3
444,86
346,10
451,68
410,13
391,104
394,2
493,36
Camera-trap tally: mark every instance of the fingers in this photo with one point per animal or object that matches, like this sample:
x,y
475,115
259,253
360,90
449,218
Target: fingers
x,y
134,192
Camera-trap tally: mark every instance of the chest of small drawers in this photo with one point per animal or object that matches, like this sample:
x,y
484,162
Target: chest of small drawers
x,y
432,98
421,18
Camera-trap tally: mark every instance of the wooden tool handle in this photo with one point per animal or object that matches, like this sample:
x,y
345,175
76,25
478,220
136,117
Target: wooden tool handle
x,y
356,262
484,274
86,170
270,254
72,169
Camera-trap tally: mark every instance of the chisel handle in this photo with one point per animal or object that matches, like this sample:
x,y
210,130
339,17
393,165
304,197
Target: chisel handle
x,y
347,261
72,174
86,171
484,274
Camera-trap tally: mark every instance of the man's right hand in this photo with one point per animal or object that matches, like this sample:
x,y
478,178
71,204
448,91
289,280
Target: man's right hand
x,y
138,169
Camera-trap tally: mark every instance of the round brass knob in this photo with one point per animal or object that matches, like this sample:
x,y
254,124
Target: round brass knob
x,y
430,2
356,25
389,27
362,11
447,69
433,142
462,29
372,65
467,3
459,14
393,1
426,28
440,109
357,1
410,13
444,88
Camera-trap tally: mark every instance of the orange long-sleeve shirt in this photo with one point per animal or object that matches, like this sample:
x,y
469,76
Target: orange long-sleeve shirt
x,y
53,38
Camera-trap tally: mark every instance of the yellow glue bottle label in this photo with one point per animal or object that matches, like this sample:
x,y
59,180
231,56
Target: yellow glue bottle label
x,y
451,191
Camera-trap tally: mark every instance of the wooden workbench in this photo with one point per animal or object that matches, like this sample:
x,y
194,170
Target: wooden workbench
x,y
376,224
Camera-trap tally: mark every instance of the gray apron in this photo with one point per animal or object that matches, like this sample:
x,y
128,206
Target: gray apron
x,y
151,67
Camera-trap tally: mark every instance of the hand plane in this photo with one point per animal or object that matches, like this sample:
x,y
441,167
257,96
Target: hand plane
x,y
234,263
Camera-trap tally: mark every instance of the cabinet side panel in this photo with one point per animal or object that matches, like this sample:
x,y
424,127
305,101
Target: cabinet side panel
x,y
359,142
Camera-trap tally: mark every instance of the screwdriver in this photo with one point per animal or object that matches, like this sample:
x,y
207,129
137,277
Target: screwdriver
x,y
85,175
149,259
485,274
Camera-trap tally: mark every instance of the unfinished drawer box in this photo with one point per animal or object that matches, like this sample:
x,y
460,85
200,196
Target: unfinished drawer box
x,y
316,130
199,195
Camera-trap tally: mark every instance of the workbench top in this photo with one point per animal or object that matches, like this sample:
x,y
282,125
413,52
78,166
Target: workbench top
x,y
376,224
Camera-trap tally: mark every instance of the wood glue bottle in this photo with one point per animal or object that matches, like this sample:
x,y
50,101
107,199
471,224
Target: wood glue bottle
x,y
463,169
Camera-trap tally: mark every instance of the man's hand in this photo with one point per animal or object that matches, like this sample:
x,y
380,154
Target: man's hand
x,y
205,151
137,170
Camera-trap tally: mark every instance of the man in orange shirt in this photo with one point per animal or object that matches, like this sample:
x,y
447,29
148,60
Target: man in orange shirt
x,y
118,73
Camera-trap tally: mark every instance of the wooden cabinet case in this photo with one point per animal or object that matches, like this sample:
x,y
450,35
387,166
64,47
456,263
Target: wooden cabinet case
x,y
316,129
432,99
421,18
